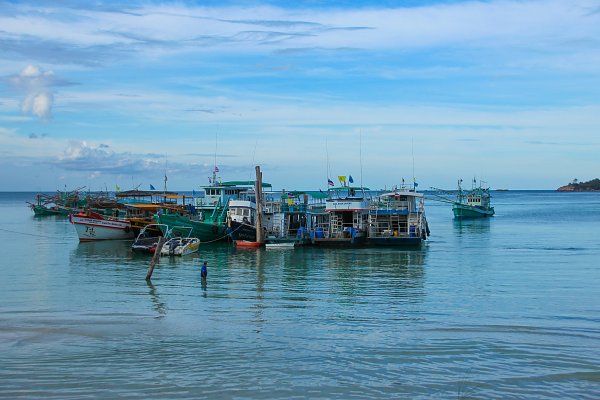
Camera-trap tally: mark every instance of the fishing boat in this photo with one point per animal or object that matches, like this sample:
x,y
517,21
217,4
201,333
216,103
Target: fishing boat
x,y
474,203
287,220
60,203
208,216
397,218
346,217
242,214
93,226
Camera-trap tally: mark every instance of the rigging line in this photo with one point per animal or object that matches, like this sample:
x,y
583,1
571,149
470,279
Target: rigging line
x,y
30,234
216,133
253,159
412,145
223,237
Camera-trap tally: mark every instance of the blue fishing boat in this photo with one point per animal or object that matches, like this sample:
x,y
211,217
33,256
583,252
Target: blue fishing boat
x,y
397,218
345,219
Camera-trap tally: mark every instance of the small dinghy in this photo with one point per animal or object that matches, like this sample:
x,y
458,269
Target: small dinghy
x,y
147,240
180,246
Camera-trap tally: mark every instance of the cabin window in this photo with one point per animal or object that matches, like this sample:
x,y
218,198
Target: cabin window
x,y
246,213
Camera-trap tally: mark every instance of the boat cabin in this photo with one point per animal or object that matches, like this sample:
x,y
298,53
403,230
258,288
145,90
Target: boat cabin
x,y
345,216
396,215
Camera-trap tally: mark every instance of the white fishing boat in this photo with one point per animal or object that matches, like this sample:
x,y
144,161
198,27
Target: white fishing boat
x,y
93,226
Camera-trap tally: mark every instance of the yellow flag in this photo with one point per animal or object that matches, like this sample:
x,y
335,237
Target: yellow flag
x,y
118,188
342,179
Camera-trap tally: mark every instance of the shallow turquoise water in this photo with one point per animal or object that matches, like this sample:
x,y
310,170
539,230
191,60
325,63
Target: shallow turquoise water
x,y
504,308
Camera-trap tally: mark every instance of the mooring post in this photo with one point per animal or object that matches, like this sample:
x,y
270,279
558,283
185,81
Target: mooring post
x,y
155,257
259,206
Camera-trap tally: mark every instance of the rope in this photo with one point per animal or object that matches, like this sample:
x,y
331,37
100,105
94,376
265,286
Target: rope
x,y
28,234
223,237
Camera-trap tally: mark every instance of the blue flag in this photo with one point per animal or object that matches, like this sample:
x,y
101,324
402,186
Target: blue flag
x,y
351,180
152,187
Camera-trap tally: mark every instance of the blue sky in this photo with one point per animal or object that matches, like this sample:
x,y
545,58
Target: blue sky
x,y
113,93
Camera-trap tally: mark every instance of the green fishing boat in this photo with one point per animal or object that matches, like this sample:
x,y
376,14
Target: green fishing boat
x,y
474,203
204,226
207,217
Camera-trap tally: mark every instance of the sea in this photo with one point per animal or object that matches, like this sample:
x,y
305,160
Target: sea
x,y
500,308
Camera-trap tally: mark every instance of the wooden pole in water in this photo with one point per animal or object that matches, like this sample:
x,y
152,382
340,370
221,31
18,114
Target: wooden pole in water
x,y
259,206
155,257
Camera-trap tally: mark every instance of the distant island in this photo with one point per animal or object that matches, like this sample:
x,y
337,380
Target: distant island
x,y
576,186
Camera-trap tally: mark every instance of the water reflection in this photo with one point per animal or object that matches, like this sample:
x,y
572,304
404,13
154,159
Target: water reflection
x,y
158,305
388,273
103,249
472,226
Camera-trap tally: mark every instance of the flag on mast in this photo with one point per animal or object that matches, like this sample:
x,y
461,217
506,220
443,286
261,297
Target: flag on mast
x,y
330,182
350,179
152,187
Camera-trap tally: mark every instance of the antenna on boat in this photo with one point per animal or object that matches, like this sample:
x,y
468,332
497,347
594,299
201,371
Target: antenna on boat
x,y
165,189
215,169
360,158
412,146
327,154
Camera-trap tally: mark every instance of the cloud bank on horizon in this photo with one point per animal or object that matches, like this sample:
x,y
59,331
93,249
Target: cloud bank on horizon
x,y
107,92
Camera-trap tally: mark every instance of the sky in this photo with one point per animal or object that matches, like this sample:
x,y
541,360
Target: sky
x,y
116,93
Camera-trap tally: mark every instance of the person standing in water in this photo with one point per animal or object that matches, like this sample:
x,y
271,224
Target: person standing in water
x,y
204,270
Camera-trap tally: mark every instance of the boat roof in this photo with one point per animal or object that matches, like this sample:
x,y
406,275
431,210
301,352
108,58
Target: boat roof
x,y
340,188
236,183
143,193
402,193
153,206
316,194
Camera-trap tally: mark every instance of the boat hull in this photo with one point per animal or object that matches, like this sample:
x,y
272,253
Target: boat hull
x,y
242,231
145,245
190,246
90,229
279,245
396,241
205,231
42,211
245,244
357,241
465,211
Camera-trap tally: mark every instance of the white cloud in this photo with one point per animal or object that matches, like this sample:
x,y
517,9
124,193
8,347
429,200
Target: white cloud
x,y
500,23
35,83
38,104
